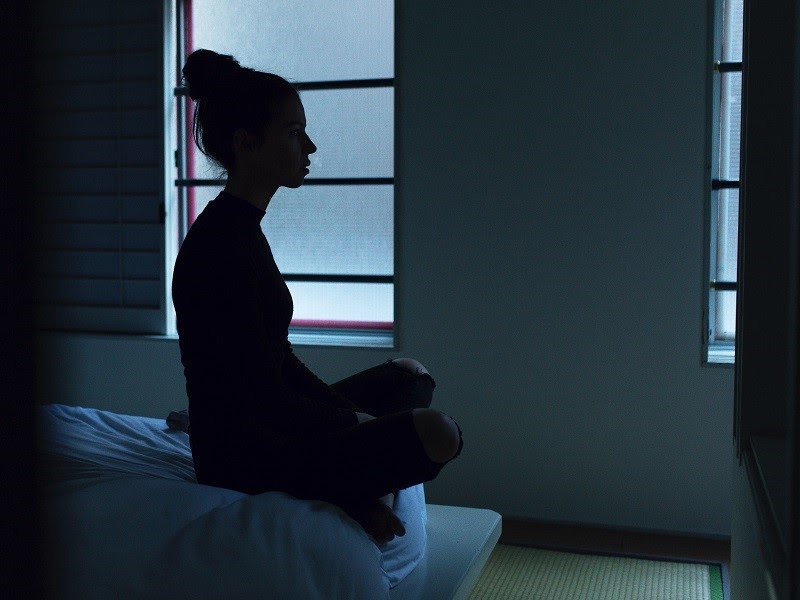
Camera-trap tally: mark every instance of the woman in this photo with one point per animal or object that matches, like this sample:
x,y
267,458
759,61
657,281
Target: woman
x,y
260,420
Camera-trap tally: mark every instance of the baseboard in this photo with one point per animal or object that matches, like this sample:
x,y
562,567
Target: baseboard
x,y
524,532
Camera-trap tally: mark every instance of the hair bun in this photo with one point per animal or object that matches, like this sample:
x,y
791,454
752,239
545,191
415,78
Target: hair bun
x,y
210,74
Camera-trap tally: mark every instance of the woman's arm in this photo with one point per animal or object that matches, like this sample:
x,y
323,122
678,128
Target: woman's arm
x,y
233,354
297,375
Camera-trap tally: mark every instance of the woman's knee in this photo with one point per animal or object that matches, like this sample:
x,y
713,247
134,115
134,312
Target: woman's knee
x,y
411,365
419,382
439,434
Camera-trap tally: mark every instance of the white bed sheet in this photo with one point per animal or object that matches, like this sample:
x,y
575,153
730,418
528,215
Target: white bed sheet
x,y
125,518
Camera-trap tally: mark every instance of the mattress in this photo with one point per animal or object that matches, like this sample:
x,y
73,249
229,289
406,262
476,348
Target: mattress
x,y
124,517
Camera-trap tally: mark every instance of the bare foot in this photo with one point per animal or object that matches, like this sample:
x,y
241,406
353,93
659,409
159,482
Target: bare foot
x,y
379,521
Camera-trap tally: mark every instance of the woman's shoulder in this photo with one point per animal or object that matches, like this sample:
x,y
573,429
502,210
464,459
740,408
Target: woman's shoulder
x,y
212,227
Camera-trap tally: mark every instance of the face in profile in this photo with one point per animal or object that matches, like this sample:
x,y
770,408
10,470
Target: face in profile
x,y
284,155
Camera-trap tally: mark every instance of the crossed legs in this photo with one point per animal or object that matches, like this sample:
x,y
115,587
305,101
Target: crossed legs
x,y
441,440
360,468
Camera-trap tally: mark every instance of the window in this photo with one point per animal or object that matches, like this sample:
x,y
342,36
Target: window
x,y
724,202
333,238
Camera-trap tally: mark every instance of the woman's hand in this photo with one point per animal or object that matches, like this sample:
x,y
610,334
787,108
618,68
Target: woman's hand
x,y
379,521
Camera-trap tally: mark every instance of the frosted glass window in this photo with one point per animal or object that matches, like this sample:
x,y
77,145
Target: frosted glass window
x,y
320,304
725,173
730,124
726,315
203,195
203,167
732,30
727,234
334,230
301,40
353,131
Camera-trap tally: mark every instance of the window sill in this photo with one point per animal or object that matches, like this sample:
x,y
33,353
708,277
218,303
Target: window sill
x,y
319,336
297,336
721,354
313,336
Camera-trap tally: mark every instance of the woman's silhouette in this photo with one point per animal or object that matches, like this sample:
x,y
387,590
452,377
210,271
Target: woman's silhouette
x,y
260,419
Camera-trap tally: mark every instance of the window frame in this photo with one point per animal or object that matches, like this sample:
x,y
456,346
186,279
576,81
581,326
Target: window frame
x,y
716,351
301,332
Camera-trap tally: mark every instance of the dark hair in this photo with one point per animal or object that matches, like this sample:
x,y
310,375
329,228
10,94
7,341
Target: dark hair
x,y
228,97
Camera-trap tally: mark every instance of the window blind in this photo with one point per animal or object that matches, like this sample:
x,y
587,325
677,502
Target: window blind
x,y
99,166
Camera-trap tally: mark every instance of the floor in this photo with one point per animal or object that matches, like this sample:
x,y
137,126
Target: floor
x,y
596,539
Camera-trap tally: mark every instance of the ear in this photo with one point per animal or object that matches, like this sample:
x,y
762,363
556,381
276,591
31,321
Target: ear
x,y
243,141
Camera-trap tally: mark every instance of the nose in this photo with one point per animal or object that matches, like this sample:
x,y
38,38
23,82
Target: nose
x,y
310,146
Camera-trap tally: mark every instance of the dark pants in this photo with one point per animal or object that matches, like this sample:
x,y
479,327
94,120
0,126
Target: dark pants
x,y
371,459
386,389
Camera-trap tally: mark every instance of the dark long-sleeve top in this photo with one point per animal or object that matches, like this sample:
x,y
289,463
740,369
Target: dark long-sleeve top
x,y
248,392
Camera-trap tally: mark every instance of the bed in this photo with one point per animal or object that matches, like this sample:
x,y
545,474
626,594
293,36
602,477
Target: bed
x,y
123,517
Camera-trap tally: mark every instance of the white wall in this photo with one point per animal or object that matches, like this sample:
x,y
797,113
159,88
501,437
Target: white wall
x,y
550,191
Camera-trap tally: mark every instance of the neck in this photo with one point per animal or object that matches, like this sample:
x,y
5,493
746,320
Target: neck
x,y
256,193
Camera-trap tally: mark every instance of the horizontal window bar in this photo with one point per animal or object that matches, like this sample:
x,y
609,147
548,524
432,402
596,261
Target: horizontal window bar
x,y
199,182
727,67
345,84
349,181
723,286
722,184
309,181
339,278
